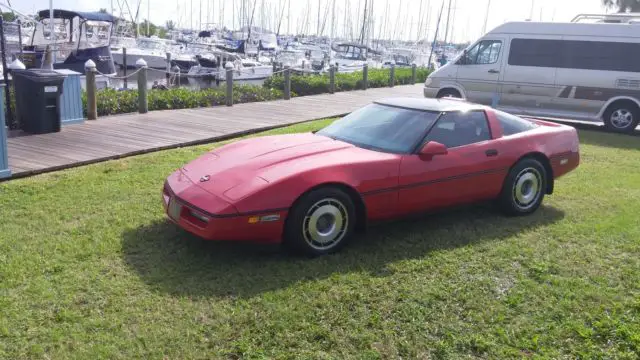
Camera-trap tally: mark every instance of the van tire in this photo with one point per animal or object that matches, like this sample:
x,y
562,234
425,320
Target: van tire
x,y
622,116
449,93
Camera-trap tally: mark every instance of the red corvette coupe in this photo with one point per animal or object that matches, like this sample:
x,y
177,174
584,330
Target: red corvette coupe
x,y
390,158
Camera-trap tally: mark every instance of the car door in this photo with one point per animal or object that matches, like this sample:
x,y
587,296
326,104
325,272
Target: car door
x,y
480,70
468,172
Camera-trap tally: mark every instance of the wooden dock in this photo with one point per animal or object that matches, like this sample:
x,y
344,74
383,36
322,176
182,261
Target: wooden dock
x,y
125,135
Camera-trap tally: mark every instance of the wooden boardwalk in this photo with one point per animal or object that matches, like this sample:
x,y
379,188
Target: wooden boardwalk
x,y
125,135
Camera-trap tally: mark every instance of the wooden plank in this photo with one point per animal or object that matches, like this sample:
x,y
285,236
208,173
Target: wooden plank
x,y
124,135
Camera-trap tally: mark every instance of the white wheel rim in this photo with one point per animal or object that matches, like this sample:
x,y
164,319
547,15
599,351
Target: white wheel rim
x,y
527,188
325,224
621,118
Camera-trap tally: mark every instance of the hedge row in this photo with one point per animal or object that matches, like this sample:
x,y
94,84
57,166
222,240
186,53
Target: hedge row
x,y
319,84
112,102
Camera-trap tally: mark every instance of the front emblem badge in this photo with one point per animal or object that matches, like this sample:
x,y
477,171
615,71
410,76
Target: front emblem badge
x,y
205,178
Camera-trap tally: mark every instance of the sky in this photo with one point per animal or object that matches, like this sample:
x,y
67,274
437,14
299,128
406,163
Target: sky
x,y
391,17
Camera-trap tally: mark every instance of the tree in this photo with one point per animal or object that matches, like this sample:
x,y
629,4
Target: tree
x,y
143,28
623,5
170,25
102,10
8,16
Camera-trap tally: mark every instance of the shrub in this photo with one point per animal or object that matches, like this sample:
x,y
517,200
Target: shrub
x,y
319,84
111,102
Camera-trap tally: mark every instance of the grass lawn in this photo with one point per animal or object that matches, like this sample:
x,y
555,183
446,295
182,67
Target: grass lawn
x,y
90,269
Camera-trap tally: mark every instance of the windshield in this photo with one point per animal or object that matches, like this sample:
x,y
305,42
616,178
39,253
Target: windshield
x,y
383,128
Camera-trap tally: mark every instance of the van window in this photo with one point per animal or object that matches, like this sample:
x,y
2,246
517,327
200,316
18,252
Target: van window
x,y
484,52
600,55
536,52
512,124
575,54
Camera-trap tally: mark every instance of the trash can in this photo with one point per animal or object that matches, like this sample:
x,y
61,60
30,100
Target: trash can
x,y
37,93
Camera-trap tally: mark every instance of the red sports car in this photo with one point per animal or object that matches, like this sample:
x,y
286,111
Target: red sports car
x,y
390,158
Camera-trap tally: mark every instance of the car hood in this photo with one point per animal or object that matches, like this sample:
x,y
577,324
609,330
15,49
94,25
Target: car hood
x,y
262,160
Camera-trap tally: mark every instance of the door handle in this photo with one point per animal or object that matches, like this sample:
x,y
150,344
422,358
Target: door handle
x,y
491,152
493,71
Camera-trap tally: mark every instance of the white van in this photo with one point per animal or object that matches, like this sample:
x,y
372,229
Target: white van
x,y
582,71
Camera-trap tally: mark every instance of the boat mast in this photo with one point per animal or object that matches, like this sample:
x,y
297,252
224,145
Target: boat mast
x,y
395,28
364,22
420,22
52,34
289,18
435,37
453,23
318,22
281,16
333,29
148,17
253,11
446,31
486,17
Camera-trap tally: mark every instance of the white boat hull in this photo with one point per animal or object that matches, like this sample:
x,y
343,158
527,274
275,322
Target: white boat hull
x,y
246,73
152,60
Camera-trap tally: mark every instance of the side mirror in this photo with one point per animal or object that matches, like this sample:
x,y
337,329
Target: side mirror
x,y
431,149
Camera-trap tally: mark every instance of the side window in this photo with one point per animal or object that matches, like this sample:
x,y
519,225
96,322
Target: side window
x,y
484,52
537,52
512,124
489,51
460,128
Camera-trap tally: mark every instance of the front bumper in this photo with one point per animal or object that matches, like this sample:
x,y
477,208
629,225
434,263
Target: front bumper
x,y
430,92
189,206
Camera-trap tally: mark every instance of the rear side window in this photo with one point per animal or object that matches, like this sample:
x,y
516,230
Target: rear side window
x,y
536,52
512,124
575,54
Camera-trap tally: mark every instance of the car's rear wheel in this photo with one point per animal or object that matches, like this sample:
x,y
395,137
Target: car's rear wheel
x,y
321,222
524,188
622,116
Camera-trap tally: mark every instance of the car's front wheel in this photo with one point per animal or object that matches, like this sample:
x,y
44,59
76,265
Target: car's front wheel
x,y
524,188
321,222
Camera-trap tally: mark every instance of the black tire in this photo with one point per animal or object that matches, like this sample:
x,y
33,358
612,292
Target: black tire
x,y
444,93
329,208
524,188
621,117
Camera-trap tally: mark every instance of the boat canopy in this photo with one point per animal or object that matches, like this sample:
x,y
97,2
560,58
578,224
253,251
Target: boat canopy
x,y
67,14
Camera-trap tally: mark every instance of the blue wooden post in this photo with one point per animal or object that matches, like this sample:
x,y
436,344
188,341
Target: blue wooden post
x,y
71,98
4,158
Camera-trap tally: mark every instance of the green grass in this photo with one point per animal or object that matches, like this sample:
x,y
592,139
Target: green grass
x,y
90,269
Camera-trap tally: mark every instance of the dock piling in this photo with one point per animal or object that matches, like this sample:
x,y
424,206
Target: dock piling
x,y
143,106
287,82
229,72
92,95
365,76
332,79
413,73
392,75
124,68
168,73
